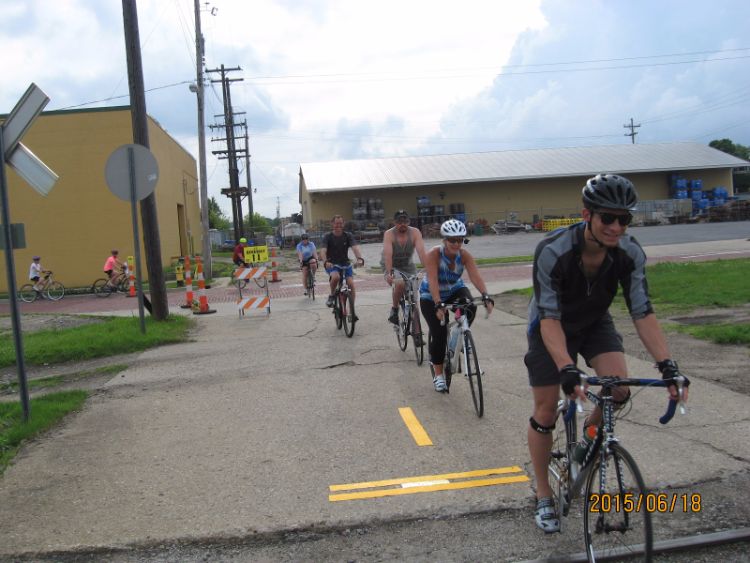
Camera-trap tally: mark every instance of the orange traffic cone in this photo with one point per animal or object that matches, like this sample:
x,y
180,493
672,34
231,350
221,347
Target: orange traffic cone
x,y
131,278
188,285
202,299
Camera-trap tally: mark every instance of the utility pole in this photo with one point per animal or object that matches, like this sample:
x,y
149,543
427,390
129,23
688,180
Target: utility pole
x,y
198,89
234,192
632,128
159,308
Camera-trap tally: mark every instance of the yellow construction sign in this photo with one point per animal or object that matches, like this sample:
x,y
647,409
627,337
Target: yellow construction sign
x,y
254,254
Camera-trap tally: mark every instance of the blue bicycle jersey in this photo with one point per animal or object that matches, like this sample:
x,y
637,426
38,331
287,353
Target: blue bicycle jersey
x,y
449,280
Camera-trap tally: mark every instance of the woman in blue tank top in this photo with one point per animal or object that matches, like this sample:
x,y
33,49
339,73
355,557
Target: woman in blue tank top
x,y
443,284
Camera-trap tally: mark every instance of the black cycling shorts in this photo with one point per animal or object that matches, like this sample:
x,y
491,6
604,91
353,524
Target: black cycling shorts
x,y
597,339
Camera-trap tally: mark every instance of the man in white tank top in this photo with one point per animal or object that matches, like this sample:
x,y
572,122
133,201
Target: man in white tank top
x,y
399,244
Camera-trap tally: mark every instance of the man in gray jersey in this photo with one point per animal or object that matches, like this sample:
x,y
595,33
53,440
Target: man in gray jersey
x,y
577,272
399,244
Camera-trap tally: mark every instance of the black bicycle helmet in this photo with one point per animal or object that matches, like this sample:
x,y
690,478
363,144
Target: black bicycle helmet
x,y
609,191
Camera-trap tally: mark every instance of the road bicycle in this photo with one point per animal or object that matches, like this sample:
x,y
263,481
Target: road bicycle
x,y
617,506
343,304
310,279
102,287
461,352
409,322
50,288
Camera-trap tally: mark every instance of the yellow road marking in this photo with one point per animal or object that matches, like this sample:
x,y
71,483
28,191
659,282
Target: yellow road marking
x,y
417,431
402,480
428,488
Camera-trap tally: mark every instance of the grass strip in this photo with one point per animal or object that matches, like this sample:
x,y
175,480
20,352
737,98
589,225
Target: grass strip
x,y
46,411
116,335
718,333
55,380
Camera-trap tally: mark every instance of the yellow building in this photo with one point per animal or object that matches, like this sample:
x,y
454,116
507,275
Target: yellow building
x,y
80,221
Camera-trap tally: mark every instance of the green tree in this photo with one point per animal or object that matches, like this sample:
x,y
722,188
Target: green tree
x,y
216,217
727,146
260,224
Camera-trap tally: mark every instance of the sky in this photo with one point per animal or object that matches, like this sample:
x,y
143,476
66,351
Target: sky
x,y
325,80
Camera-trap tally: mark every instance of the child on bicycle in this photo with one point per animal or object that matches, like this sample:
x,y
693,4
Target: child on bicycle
x,y
399,244
443,284
113,267
238,254
576,275
308,257
35,273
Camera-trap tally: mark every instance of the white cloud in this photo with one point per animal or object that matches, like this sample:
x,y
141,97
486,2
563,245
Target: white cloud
x,y
393,77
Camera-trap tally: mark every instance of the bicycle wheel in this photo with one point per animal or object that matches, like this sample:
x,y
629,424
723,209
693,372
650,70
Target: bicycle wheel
x,y
473,373
348,317
612,527
310,284
337,312
123,285
402,328
562,468
416,335
55,291
241,284
27,293
101,288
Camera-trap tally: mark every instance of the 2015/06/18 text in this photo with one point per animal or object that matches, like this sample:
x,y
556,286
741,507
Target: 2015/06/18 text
x,y
650,502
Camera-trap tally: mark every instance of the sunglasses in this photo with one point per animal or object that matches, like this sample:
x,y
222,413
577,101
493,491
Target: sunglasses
x,y
457,240
609,218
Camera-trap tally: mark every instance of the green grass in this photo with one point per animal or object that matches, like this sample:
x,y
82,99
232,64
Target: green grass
x,y
46,411
116,335
683,286
55,380
719,333
686,286
503,260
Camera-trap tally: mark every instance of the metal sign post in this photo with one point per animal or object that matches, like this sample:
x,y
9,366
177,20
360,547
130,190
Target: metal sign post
x,y
41,178
132,173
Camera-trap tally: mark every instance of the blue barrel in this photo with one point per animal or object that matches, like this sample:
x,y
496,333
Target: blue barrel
x,y
461,217
697,195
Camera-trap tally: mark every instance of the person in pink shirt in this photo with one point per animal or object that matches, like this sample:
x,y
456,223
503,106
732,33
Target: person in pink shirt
x,y
113,267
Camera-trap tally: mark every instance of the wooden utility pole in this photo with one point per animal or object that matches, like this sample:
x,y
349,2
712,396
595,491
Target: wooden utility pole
x,y
199,60
149,219
632,128
235,192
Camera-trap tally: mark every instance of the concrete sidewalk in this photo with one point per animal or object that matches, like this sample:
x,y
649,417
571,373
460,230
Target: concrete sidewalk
x,y
242,431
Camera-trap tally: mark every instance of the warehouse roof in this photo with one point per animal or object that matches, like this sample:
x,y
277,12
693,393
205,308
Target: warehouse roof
x,y
511,165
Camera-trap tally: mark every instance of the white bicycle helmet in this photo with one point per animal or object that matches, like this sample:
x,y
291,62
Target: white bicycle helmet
x,y
453,228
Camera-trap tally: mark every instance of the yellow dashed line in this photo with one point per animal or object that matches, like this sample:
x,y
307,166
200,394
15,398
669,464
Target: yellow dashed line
x,y
417,430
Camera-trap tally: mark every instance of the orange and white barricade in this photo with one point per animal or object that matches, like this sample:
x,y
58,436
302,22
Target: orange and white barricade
x,y
202,299
255,301
188,285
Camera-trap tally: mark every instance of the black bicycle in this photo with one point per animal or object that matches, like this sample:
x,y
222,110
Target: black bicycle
x,y
617,506
343,304
409,322
310,279
461,352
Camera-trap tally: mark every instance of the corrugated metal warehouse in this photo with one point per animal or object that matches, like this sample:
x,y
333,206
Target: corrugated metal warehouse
x,y
530,184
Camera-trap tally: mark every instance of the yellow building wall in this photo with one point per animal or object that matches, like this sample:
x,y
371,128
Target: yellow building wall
x,y
75,227
494,200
